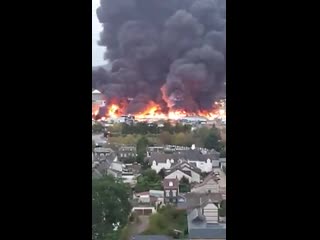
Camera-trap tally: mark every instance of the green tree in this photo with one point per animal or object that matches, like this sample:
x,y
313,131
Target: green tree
x,y
202,133
127,129
110,207
162,173
144,165
165,138
184,180
184,185
178,128
142,145
129,160
116,128
97,128
140,158
183,139
213,140
166,220
149,179
223,152
222,209
167,127
129,139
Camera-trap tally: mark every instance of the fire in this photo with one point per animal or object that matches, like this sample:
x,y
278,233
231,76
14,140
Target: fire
x,y
113,110
153,111
95,110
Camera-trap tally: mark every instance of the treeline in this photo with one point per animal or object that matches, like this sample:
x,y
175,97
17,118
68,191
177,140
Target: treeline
x,y
143,128
181,139
203,137
168,135
97,128
210,139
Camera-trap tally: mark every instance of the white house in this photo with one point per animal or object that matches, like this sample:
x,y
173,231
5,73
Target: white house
x,y
143,197
144,210
215,163
159,194
161,160
195,172
204,223
178,174
195,157
184,169
209,185
129,178
204,165
210,211
222,162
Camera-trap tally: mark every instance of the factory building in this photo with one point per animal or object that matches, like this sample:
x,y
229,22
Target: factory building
x,y
98,98
194,119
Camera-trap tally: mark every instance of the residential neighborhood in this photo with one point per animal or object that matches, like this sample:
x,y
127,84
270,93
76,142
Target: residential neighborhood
x,y
189,180
159,120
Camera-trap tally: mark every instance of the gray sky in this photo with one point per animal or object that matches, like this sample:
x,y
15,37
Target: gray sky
x,y
97,51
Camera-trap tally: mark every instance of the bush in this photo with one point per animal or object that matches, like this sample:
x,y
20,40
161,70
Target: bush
x,y
97,128
131,218
129,160
222,209
166,220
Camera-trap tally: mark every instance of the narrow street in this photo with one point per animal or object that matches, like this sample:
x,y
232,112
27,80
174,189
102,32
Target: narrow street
x,y
138,228
143,225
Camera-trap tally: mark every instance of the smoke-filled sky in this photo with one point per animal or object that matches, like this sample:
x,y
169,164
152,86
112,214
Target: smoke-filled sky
x,y
171,52
97,51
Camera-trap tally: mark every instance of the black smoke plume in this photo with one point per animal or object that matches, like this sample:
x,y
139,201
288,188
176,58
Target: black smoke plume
x,y
176,45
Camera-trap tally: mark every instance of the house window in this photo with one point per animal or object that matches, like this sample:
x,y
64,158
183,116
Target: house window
x,y
121,155
167,193
174,193
125,155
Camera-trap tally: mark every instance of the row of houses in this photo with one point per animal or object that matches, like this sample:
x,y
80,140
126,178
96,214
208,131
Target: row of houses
x,y
109,164
123,152
203,217
176,148
202,203
203,161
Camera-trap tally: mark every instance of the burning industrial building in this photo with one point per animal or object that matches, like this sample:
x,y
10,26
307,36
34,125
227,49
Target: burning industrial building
x,y
166,58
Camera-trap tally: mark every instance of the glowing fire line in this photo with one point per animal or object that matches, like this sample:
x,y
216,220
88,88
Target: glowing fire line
x,y
153,111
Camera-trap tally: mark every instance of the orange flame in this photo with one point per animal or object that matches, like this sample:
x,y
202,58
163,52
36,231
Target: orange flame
x,y
113,109
95,110
153,111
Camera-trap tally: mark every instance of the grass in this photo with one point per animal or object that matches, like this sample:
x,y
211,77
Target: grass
x,y
131,139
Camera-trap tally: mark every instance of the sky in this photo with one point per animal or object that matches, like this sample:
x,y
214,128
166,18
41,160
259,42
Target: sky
x,y
97,51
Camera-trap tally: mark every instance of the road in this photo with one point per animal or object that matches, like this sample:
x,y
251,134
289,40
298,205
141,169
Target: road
x,y
138,228
143,225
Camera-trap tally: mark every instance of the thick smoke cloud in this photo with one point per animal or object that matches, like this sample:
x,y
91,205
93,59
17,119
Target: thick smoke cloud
x,y
170,51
